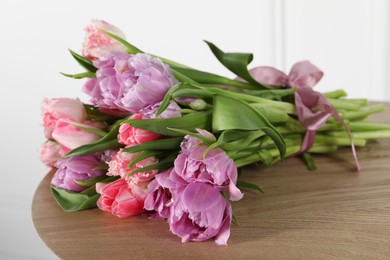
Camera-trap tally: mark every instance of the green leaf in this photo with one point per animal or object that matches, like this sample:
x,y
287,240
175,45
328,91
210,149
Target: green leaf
x,y
72,201
275,94
162,144
248,185
226,137
87,74
91,130
204,139
103,166
243,142
130,48
209,78
273,115
160,166
193,93
94,114
167,99
94,147
92,181
189,122
109,141
145,154
84,62
235,220
229,113
181,77
236,63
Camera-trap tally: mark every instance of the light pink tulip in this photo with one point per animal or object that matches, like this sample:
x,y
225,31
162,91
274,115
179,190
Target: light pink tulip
x,y
50,153
66,133
118,166
97,44
61,108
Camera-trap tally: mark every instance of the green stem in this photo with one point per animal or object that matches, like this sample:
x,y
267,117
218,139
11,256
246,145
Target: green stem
x,y
339,141
367,126
286,107
369,135
318,148
335,94
344,104
187,111
363,112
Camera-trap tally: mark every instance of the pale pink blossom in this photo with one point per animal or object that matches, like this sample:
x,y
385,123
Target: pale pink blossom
x,y
98,44
50,153
118,166
67,133
61,108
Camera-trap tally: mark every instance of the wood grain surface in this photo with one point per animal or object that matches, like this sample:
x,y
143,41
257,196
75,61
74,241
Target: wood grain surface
x,y
331,213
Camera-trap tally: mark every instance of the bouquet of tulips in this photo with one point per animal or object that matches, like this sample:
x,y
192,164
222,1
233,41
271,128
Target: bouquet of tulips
x,y
166,140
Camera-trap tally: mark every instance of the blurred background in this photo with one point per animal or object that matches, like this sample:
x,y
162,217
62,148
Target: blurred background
x,y
347,39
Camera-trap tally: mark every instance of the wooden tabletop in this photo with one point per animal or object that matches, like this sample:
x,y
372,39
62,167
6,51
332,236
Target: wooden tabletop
x,y
331,213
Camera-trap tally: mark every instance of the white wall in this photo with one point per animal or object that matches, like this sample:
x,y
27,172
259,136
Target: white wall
x,y
347,39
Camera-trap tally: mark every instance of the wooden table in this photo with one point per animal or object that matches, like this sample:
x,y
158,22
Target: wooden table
x,y
332,213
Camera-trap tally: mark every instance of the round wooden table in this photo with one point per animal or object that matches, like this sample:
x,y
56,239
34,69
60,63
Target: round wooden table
x,y
330,213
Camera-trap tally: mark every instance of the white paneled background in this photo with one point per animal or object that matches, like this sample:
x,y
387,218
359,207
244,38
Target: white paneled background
x,y
348,39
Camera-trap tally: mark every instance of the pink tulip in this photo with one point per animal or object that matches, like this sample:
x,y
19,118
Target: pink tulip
x,y
120,198
50,153
97,44
61,108
129,135
66,133
118,166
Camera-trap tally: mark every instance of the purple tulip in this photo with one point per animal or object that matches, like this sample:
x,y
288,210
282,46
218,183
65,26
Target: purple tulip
x,y
215,167
78,168
201,213
149,112
129,82
159,196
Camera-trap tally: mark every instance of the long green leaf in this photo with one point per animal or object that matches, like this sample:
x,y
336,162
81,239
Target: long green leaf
x,y
209,78
73,201
189,122
91,130
94,147
94,114
145,154
249,185
84,62
167,99
160,166
229,113
92,181
162,144
87,74
130,48
109,141
273,115
204,139
275,94
236,63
